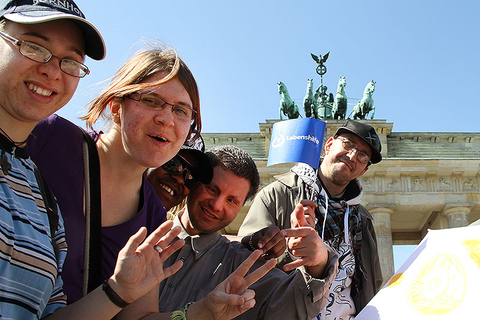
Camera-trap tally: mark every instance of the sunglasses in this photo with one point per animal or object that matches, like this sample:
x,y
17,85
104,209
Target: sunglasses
x,y
178,165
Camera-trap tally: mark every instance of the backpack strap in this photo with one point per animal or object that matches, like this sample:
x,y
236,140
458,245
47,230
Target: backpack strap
x,y
50,206
93,216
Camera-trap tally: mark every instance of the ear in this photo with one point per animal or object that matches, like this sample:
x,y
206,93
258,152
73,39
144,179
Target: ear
x,y
328,144
115,110
363,171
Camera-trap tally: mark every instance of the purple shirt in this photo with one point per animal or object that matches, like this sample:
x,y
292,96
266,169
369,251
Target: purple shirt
x,y
56,148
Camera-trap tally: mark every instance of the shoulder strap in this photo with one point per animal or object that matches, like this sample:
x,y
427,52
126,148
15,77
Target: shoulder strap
x,y
93,216
50,206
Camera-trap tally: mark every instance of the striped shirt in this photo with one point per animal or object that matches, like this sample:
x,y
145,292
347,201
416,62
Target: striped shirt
x,y
30,282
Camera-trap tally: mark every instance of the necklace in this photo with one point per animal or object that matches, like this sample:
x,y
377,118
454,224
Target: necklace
x,y
15,144
4,137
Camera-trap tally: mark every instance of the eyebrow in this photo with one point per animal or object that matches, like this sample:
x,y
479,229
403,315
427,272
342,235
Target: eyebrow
x,y
47,39
180,103
356,145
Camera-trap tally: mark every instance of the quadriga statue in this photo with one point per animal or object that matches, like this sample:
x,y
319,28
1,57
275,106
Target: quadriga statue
x,y
287,106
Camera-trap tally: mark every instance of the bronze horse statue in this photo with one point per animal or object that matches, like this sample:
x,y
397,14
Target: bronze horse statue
x,y
339,109
287,106
365,105
309,101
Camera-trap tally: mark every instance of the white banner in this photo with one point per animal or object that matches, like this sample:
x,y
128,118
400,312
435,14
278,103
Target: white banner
x,y
440,280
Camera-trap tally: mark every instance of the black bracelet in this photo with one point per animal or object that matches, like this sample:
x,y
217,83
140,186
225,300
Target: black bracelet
x,y
250,243
113,296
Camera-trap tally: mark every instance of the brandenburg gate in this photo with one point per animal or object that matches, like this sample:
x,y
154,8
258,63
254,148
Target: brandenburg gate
x,y
426,180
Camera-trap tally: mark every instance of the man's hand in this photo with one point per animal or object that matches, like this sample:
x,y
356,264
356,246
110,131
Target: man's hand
x,y
308,218
269,240
305,243
232,297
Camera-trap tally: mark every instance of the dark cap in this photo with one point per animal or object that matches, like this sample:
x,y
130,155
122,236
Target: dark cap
x,y
367,134
38,11
197,149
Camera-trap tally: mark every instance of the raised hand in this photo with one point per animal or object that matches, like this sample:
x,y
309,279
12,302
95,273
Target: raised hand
x,y
232,297
307,219
269,240
139,265
305,244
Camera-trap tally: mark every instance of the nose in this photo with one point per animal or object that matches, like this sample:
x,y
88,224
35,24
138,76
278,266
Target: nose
x,y
215,203
352,154
165,116
179,178
51,69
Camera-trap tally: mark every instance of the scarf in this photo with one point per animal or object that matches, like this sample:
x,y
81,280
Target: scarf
x,y
343,221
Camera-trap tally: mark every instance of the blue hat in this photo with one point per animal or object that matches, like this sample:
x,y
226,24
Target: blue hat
x,y
38,11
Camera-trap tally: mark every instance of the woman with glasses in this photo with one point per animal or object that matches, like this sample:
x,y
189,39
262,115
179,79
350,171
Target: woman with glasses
x,y
152,105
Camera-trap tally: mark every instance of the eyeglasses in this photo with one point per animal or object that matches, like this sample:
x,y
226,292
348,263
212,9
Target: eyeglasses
x,y
350,147
40,54
155,102
178,165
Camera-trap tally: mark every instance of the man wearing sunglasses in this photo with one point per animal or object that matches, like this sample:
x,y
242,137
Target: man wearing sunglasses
x,y
174,180
348,228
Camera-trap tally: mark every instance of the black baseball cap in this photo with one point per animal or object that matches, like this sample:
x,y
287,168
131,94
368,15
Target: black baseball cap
x,y
38,11
204,168
365,132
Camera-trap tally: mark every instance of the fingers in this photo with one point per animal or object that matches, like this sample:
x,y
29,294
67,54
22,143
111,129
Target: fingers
x,y
166,239
160,232
172,269
298,232
266,235
309,203
293,265
298,216
169,250
274,243
134,241
260,272
242,269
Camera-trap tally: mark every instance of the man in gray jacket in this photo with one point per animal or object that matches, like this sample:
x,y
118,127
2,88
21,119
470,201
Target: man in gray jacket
x,y
208,257
348,227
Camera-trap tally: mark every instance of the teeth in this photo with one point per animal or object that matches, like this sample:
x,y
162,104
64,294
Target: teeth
x,y
168,189
159,138
209,215
40,91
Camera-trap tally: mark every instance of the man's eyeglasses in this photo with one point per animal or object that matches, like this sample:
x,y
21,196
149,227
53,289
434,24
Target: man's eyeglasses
x,y
179,165
350,147
155,102
37,53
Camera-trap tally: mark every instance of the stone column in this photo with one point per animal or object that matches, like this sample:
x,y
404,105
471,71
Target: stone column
x,y
457,216
381,222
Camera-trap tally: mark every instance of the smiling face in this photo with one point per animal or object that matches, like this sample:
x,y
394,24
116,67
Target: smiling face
x,y
31,91
151,136
214,206
339,166
170,188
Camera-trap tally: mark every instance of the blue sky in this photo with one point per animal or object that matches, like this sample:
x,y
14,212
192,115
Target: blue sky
x,y
423,55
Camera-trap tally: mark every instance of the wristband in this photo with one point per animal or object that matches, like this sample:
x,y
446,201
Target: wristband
x,y
181,314
250,243
113,296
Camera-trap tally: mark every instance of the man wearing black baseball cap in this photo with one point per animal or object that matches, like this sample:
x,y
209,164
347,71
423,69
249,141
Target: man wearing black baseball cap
x,y
174,180
43,44
347,228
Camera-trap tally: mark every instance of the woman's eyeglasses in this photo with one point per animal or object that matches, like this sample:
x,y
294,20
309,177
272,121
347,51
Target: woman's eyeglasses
x,y
153,101
178,165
